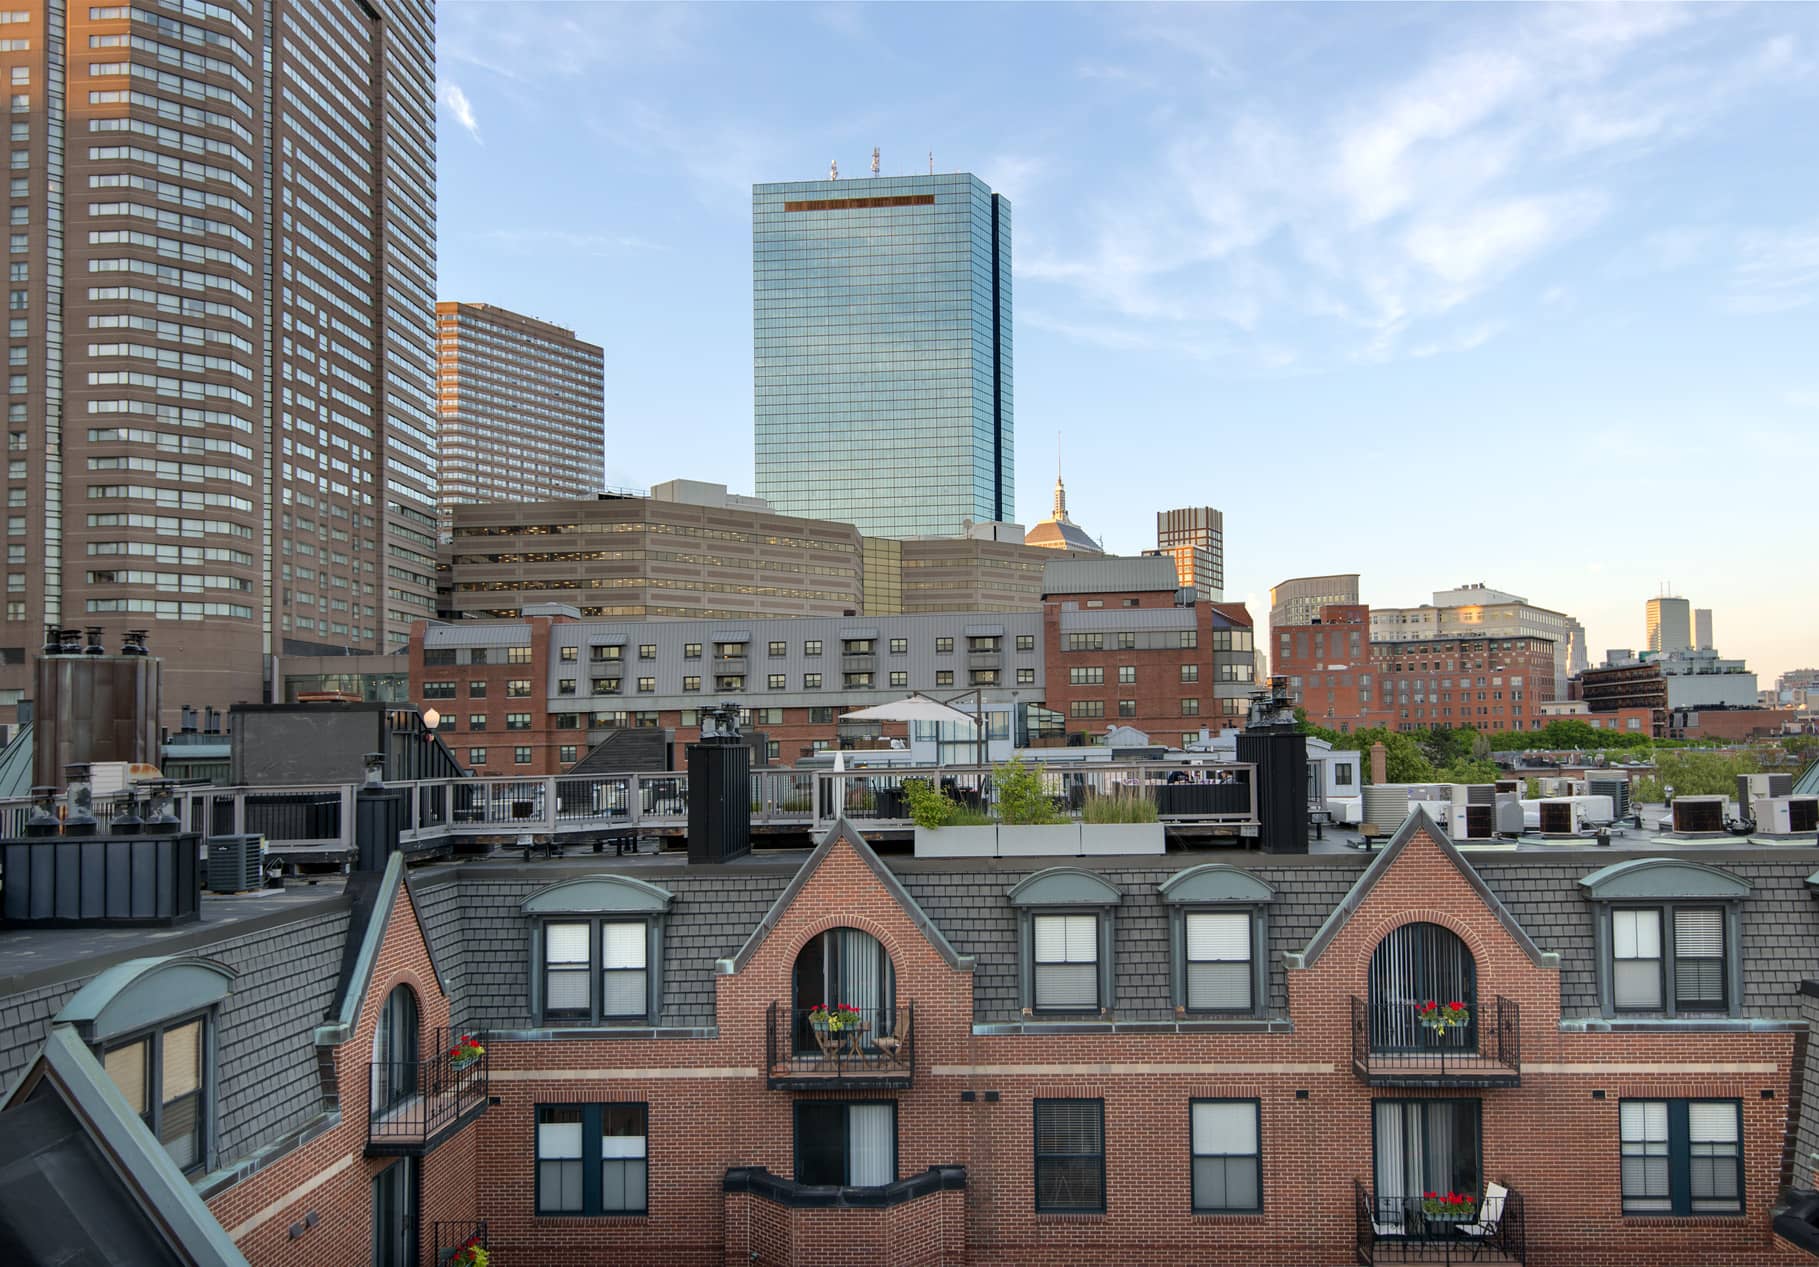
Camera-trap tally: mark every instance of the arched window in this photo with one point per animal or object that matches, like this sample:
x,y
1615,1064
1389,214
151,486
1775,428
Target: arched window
x,y
1416,964
395,1052
844,966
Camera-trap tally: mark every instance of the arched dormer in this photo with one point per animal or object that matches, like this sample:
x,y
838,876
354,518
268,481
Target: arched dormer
x,y
1066,928
597,951
1218,940
1669,937
152,1023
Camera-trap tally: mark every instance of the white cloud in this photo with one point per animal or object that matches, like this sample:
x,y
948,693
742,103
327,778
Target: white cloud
x,y
1777,271
460,107
1407,205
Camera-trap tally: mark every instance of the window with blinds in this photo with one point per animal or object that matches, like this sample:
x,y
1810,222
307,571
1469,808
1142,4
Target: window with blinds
x,y
1227,1168
566,960
1070,1156
160,1076
1066,962
1699,960
592,1159
1218,961
596,970
623,970
1681,1157
1636,959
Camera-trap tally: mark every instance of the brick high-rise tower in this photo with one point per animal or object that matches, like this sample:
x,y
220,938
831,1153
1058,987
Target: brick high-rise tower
x,y
221,420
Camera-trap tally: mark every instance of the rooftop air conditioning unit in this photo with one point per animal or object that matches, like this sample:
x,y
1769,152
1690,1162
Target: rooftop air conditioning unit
x,y
1754,787
1697,814
1560,818
1617,789
236,864
1508,816
1787,815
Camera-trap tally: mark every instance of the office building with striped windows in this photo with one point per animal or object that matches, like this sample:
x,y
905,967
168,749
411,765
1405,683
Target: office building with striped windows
x,y
881,314
521,403
221,420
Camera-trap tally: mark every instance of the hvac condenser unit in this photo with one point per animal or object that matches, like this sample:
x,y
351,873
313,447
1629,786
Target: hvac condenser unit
x,y
1617,789
1560,818
236,864
1787,815
1696,814
1755,787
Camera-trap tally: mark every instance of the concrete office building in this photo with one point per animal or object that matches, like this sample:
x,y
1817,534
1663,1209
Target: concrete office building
x,y
220,414
637,558
521,404
1669,625
881,314
1298,601
1195,538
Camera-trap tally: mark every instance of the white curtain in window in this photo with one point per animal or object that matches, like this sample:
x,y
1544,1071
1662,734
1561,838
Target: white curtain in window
x,y
871,1145
1393,1163
861,976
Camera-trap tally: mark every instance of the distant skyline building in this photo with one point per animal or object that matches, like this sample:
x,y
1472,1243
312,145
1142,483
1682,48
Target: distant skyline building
x,y
1669,624
522,407
882,367
1298,601
221,403
1195,537
1477,610
1058,532
1702,629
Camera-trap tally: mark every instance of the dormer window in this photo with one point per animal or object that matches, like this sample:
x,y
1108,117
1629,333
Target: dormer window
x,y
1065,919
152,1026
597,951
1669,933
1217,933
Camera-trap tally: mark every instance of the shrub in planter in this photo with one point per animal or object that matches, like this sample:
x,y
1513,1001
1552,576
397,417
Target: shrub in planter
x,y
1023,801
1119,807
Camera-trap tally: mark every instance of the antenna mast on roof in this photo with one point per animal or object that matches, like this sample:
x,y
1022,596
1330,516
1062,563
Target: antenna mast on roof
x,y
833,169
874,160
931,162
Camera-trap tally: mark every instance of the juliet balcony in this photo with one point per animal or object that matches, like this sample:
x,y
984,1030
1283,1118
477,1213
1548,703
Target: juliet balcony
x,y
872,1048
417,1103
1393,1047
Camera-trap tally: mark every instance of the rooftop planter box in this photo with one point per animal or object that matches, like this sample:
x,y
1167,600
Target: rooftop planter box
x,y
1122,838
957,842
1044,841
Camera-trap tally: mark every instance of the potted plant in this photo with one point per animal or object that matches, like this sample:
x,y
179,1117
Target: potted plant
x,y
1123,821
466,1052
1458,1207
1439,1017
834,1018
944,827
471,1254
1029,823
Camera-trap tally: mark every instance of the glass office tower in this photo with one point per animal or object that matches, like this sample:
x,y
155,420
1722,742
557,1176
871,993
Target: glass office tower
x,y
881,315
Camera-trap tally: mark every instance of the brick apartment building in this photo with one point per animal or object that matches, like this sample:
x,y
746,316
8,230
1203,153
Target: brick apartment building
x,y
533,696
1073,1074
1345,681
1122,649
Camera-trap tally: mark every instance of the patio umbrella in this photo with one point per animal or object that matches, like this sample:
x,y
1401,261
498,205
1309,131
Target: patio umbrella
x,y
915,708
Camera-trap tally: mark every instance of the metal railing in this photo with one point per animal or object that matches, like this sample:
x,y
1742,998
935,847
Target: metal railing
x,y
877,1044
307,817
1400,1230
1485,1052
452,1238
413,1103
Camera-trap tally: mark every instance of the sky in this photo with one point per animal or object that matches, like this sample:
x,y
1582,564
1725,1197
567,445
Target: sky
x,y
1437,294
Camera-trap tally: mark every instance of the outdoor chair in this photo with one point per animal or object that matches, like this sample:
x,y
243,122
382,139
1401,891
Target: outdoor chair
x,y
1483,1233
891,1044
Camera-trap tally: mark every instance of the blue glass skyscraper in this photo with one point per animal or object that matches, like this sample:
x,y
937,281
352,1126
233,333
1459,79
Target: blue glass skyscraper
x,y
881,316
